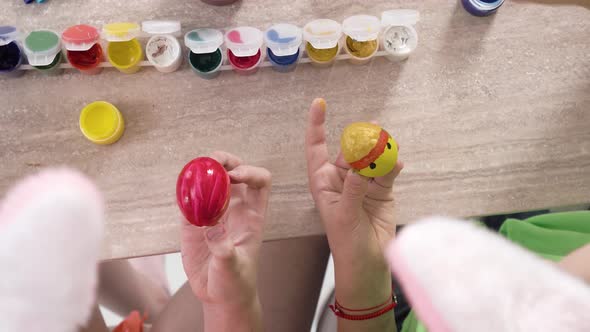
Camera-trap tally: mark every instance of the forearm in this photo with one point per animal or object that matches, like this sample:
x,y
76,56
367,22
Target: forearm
x,y
577,263
364,284
96,322
122,289
244,317
184,312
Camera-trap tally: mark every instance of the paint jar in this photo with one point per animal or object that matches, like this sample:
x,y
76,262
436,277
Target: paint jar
x,y
163,49
399,37
481,7
205,56
123,50
283,43
83,50
244,49
11,54
362,37
43,50
101,123
322,41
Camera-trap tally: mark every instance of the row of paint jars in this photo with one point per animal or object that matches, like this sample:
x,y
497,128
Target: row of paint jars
x,y
323,42
43,49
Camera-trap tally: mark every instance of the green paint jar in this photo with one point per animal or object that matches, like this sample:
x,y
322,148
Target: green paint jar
x,y
43,50
205,56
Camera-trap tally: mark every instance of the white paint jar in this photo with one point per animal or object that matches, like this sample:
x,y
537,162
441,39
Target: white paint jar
x,y
163,50
399,37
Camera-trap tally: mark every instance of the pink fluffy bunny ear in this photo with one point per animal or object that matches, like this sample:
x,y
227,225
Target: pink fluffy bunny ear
x,y
461,277
51,228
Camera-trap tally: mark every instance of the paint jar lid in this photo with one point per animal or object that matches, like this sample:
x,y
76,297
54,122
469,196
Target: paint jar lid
x,y
101,122
162,28
400,17
120,32
41,47
322,33
80,37
244,41
203,40
8,34
283,39
362,27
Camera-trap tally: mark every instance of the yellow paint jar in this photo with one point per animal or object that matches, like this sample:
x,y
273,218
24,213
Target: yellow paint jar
x,y
322,41
101,123
123,50
362,37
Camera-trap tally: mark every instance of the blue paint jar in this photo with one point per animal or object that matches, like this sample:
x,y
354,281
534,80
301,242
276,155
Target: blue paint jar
x,y
481,7
283,43
11,54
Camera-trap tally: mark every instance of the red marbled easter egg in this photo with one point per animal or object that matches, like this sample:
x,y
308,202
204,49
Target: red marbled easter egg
x,y
203,191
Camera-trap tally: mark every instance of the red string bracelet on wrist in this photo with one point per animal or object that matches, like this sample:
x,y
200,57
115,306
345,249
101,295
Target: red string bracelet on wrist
x,y
379,310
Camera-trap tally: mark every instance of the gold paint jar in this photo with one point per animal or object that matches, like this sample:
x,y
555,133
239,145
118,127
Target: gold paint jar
x,y
322,41
362,37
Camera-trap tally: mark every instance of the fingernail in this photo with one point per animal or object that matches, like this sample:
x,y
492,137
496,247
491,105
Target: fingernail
x,y
322,105
216,232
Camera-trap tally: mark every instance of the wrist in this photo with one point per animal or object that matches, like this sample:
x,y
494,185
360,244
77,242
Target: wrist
x,y
363,283
233,316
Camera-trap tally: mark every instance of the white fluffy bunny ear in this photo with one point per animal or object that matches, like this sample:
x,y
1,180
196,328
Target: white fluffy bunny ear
x,y
461,277
51,227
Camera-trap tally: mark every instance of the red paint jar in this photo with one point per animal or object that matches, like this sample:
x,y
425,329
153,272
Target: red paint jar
x,y
244,49
83,50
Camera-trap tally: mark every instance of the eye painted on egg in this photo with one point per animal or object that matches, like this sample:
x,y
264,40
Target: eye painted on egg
x,y
369,149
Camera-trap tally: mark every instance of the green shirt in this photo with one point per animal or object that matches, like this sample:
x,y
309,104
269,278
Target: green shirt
x,y
551,236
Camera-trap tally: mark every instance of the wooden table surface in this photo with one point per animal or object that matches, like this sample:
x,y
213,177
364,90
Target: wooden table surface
x,y
492,114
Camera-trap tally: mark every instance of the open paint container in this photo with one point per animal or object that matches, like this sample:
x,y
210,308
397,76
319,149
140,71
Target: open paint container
x,y
11,54
481,7
244,49
322,41
101,123
163,49
399,35
283,43
205,56
83,50
43,50
362,37
123,50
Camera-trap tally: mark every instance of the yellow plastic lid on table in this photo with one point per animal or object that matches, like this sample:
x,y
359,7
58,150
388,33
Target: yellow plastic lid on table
x,y
101,123
120,32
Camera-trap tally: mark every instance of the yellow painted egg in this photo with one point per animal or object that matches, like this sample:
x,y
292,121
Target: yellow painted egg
x,y
369,149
